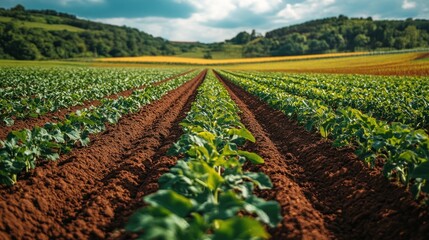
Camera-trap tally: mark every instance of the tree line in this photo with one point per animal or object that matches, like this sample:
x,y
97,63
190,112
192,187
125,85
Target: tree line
x,y
95,40
92,39
337,34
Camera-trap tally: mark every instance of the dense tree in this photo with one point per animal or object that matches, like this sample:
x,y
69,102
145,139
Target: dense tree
x,y
335,34
95,39
341,33
241,38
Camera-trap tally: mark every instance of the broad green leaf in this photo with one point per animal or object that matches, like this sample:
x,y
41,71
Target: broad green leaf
x,y
261,179
267,211
172,201
209,137
213,178
253,157
242,132
238,228
421,171
323,132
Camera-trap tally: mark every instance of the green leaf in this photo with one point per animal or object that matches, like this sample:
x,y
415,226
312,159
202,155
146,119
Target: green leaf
x,y
421,171
8,121
408,156
228,150
415,190
229,205
208,136
172,201
267,211
253,157
213,178
260,179
240,228
242,132
323,132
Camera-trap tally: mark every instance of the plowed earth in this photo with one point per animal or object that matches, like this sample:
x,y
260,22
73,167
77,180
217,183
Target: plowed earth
x,y
324,193
29,123
90,192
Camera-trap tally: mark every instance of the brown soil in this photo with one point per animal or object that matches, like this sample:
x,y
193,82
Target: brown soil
x,y
89,193
325,192
56,116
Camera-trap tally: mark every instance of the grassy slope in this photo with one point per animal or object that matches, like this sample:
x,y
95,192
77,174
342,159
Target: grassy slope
x,y
49,27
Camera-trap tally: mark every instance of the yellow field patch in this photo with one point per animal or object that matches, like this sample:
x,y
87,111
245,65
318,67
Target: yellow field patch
x,y
199,61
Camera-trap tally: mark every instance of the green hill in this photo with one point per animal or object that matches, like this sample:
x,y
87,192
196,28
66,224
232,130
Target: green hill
x,y
47,34
337,34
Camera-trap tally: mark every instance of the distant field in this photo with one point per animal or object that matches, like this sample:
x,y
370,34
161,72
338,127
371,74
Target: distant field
x,y
51,27
229,52
390,64
386,64
182,60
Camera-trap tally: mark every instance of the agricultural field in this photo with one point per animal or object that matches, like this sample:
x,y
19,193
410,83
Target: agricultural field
x,y
126,150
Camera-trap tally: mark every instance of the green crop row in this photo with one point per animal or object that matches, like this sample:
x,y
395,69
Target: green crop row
x,y
393,99
207,194
404,149
31,92
23,149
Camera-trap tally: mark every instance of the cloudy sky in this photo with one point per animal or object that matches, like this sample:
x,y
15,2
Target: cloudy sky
x,y
217,20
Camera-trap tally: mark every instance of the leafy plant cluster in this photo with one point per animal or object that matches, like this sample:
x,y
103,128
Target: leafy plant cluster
x,y
31,92
207,194
389,98
404,149
338,34
24,148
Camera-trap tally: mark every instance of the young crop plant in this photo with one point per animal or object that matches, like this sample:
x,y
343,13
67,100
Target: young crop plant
x,y
405,150
23,149
29,92
208,194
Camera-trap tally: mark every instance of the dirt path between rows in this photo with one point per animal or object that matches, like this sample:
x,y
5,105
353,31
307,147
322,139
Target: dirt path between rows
x,y
325,192
58,115
89,193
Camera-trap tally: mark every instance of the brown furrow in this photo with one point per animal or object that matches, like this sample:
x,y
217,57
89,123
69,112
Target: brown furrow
x,y
59,115
44,205
300,219
356,202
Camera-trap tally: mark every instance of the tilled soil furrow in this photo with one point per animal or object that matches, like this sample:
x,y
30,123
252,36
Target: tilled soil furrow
x,y
159,164
356,202
59,115
300,219
121,185
44,205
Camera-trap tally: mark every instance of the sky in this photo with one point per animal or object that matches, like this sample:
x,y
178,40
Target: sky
x,y
216,20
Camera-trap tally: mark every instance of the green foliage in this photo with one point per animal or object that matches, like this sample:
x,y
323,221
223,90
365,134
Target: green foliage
x,y
404,149
204,194
340,34
31,92
46,34
23,149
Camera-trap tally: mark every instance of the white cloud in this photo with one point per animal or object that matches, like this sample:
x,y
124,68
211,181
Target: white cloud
x,y
176,29
303,10
216,10
406,4
258,6
213,20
